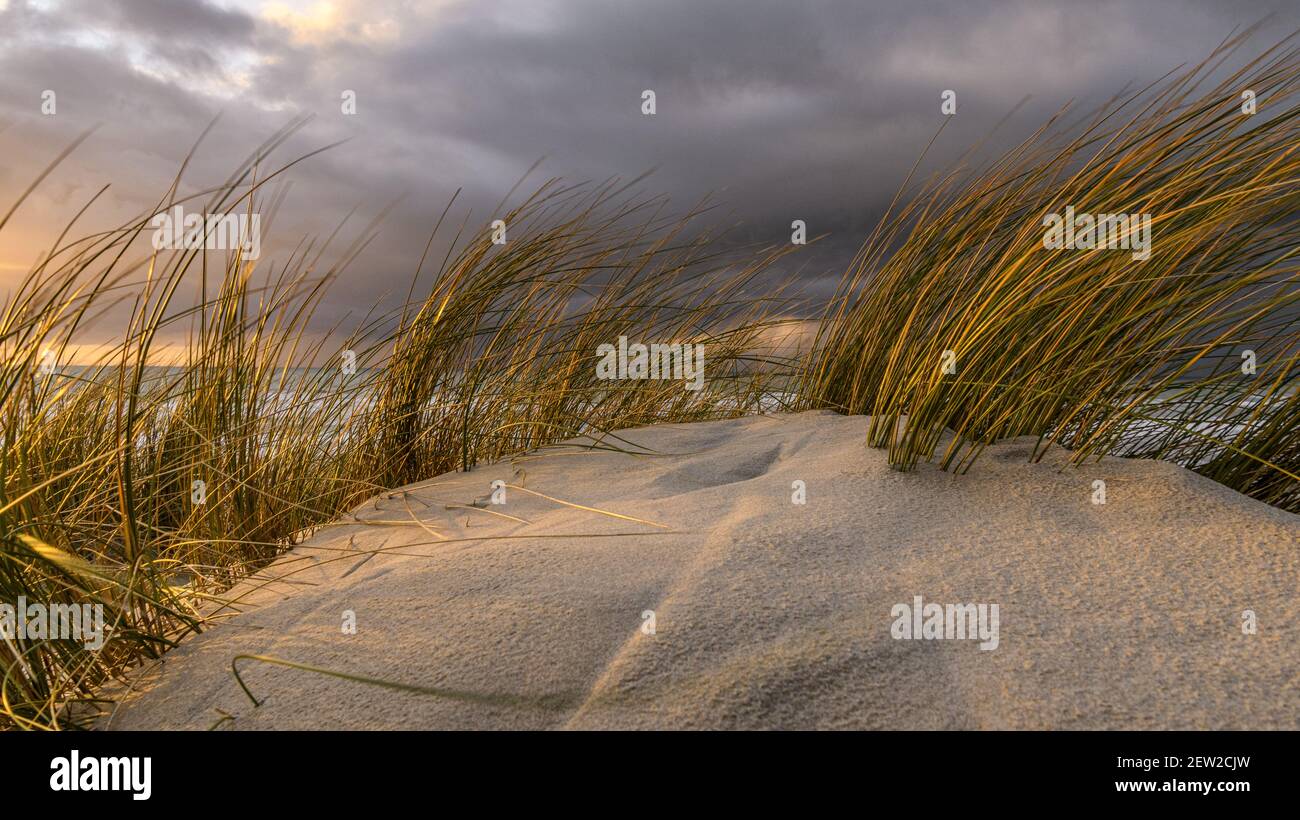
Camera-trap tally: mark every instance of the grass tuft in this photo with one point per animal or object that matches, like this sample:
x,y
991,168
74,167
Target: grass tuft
x,y
1090,348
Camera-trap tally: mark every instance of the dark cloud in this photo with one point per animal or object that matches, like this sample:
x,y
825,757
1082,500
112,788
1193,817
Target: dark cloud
x,y
810,111
194,22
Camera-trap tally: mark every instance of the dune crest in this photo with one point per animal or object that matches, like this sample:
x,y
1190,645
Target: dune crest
x,y
745,609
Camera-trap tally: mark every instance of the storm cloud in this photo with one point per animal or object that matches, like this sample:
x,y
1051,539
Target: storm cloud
x,y
811,111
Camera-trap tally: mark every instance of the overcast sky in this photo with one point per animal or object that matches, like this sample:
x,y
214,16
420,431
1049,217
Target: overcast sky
x,y
787,110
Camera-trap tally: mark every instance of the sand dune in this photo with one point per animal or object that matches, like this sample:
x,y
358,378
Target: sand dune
x,y
767,614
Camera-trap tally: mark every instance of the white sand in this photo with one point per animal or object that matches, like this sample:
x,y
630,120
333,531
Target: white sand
x,y
768,614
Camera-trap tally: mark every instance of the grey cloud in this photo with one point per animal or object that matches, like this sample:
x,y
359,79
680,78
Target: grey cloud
x,y
811,111
192,20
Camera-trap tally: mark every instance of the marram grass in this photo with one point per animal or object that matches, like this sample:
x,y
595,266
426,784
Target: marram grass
x,y
219,374
955,316
491,354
